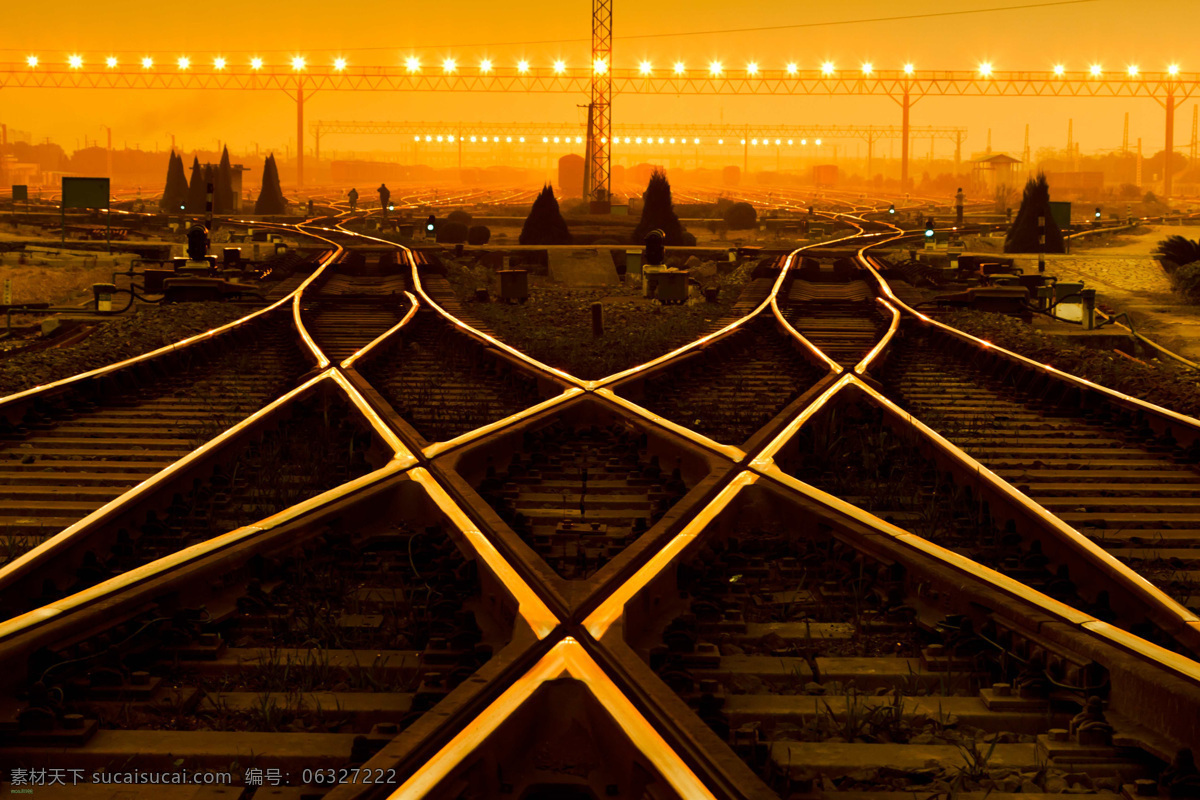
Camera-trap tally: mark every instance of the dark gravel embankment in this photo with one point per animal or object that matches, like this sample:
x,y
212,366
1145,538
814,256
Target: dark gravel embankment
x,y
150,328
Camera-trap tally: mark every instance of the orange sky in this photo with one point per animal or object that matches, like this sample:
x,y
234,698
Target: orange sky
x,y
1115,33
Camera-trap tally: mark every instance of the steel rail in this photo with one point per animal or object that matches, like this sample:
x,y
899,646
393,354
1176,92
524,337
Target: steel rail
x,y
1181,621
349,362
1173,421
1168,614
81,530
102,594
567,657
576,386
600,622
571,388
60,546
7,403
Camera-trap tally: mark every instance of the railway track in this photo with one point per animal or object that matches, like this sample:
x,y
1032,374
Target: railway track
x,y
592,598
1120,485
833,307
304,650
70,451
361,298
739,381
833,663
742,381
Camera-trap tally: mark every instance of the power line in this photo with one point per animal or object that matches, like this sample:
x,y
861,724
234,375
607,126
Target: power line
x,y
761,29
862,21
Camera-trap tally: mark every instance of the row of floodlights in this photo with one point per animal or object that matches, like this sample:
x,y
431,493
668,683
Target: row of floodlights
x,y
450,138
600,66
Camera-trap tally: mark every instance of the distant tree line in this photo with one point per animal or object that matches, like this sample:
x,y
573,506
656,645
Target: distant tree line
x,y
191,197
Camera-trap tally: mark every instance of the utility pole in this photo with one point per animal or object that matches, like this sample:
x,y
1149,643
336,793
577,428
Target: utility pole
x,y
958,140
746,152
905,105
1125,138
989,143
1192,153
1138,180
1169,149
299,131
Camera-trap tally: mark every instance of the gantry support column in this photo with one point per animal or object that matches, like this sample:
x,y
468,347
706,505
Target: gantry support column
x,y
299,132
1169,147
904,106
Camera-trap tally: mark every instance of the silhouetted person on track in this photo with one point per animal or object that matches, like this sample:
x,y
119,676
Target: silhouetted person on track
x,y
352,196
385,197
958,206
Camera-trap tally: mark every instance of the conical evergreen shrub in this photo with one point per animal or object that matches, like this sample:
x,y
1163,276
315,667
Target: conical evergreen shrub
x,y
196,189
658,212
223,196
1022,236
176,189
545,223
270,197
1178,251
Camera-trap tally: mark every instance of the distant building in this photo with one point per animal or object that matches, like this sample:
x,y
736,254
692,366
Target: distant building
x,y
570,175
997,169
825,175
13,171
1076,184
